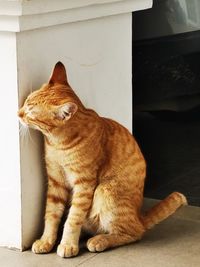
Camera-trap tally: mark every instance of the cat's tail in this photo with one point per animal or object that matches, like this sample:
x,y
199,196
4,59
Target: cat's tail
x,y
163,209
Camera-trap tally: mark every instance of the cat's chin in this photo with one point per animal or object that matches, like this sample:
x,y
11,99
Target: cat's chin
x,y
22,123
34,127
26,125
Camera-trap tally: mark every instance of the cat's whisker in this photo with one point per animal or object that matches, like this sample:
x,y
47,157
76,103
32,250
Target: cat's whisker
x,y
30,137
25,134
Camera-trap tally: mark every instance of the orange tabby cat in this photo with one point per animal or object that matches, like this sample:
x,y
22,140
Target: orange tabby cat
x,y
96,164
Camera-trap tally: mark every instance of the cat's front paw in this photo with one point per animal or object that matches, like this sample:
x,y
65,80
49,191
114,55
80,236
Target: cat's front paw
x,y
42,246
67,250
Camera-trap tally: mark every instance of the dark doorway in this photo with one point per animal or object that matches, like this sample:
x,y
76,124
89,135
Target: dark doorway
x,y
166,97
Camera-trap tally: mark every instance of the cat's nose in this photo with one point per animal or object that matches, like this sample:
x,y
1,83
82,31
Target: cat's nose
x,y
21,113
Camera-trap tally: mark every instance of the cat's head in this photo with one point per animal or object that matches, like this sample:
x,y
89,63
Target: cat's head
x,y
53,105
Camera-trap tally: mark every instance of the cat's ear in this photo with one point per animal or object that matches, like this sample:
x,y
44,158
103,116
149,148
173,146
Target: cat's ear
x,y
59,74
66,111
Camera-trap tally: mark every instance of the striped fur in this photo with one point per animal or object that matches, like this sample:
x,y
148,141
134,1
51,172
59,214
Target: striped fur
x,y
94,165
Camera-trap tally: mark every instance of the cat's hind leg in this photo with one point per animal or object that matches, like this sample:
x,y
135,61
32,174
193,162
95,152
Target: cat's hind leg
x,y
101,242
118,234
119,223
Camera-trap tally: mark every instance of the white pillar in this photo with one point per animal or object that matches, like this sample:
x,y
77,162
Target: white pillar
x,y
94,40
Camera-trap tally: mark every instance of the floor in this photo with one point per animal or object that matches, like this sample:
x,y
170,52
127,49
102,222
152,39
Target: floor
x,y
173,243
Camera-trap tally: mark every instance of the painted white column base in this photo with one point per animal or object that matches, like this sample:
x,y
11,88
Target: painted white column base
x,y
96,49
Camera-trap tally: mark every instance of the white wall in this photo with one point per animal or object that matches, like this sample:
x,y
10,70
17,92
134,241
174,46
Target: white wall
x,y
10,193
97,54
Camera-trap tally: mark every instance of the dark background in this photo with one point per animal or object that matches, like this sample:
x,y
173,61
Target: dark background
x,y
166,97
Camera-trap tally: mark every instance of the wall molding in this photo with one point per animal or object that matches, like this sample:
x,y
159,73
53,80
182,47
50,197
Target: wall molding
x,y
16,16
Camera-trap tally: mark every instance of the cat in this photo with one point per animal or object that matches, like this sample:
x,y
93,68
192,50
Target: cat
x,y
94,164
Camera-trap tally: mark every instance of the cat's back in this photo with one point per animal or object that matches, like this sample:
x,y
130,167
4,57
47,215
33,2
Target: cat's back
x,y
121,144
118,133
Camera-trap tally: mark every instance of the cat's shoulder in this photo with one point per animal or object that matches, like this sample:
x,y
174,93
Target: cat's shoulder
x,y
115,126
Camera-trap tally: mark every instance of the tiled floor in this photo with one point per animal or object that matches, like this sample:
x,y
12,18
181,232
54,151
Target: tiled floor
x,y
173,243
